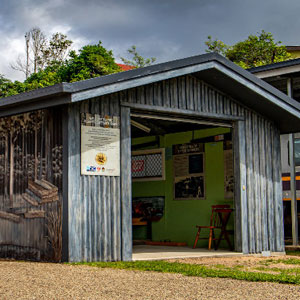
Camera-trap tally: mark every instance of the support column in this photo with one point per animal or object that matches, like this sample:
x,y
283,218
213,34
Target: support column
x,y
293,176
126,203
240,196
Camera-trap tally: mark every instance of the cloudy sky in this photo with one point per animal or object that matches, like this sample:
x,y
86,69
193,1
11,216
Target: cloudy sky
x,y
165,29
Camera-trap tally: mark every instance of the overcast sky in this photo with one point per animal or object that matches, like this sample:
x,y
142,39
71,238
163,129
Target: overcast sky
x,y
165,29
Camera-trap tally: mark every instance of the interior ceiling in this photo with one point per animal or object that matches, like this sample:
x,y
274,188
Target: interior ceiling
x,y
162,127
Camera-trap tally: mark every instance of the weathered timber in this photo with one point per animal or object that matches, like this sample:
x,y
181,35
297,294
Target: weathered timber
x,y
46,185
50,199
9,216
33,196
40,191
126,184
31,214
18,210
30,200
36,142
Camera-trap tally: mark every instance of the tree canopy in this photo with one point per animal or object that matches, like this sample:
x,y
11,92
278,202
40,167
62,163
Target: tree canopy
x,y
256,50
41,52
90,61
137,61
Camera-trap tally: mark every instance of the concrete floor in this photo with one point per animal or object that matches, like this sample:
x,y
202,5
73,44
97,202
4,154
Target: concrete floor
x,y
145,252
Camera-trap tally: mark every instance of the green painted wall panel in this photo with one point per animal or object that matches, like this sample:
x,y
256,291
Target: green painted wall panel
x,y
181,216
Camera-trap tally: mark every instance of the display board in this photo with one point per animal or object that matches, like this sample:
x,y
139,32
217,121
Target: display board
x,y
100,145
189,171
147,165
148,208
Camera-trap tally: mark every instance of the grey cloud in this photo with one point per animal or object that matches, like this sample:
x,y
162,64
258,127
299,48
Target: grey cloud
x,y
166,29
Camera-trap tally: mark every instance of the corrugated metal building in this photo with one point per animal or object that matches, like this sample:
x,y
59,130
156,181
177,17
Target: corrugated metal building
x,y
42,149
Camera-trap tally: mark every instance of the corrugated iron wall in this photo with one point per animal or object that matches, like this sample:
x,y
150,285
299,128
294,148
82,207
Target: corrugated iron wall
x,y
264,212
94,201
95,206
30,184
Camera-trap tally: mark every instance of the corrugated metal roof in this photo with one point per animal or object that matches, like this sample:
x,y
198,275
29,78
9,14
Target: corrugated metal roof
x,y
213,68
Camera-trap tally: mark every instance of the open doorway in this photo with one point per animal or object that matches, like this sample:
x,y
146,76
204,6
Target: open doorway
x,y
180,168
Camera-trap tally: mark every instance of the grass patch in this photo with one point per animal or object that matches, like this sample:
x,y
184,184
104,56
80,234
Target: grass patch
x,y
197,270
287,261
295,271
293,253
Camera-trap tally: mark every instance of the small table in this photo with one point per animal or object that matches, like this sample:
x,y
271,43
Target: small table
x,y
224,215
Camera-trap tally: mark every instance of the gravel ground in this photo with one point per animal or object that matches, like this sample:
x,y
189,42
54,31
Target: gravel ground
x,y
247,261
21,280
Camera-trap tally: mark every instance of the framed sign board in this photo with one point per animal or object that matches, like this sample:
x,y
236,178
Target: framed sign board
x,y
100,145
189,171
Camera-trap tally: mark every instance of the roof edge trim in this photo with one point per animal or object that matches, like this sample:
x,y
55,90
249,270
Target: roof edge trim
x,y
131,83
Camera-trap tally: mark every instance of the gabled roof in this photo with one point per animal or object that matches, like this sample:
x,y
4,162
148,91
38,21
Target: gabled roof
x,y
212,68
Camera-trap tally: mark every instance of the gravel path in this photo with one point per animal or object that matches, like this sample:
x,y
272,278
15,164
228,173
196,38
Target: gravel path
x,y
20,280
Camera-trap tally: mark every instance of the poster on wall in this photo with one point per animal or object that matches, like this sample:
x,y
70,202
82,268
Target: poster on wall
x,y
188,166
100,145
228,174
148,208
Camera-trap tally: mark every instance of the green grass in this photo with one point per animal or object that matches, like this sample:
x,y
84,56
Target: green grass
x,y
288,261
197,270
295,271
293,253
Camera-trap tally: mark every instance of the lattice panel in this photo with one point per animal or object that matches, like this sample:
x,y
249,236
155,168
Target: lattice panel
x,y
147,165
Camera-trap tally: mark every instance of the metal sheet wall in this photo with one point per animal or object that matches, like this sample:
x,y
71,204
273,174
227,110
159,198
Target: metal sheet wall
x,y
95,207
264,224
94,201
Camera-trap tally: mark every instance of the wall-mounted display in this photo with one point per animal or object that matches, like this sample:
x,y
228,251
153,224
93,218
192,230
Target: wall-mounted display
x,y
147,165
148,208
100,145
189,171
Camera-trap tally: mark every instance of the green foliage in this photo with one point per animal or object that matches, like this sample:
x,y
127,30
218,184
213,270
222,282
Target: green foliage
x,y
256,50
197,270
9,88
91,61
55,51
137,60
216,46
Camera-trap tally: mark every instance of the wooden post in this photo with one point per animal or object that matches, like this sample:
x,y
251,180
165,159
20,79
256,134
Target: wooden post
x,y
240,190
11,169
126,204
293,177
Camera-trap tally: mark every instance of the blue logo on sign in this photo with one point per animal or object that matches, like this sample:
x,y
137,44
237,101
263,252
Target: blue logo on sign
x,y
91,169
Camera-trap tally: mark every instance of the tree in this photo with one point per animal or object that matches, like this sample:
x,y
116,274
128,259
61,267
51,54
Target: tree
x,y
216,46
40,52
256,50
91,61
137,60
9,88
55,51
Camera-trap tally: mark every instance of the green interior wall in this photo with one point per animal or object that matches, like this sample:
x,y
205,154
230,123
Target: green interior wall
x,y
181,216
